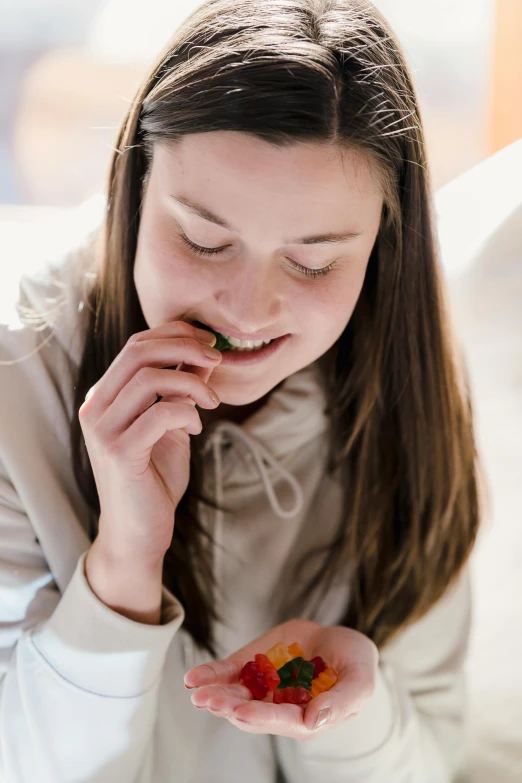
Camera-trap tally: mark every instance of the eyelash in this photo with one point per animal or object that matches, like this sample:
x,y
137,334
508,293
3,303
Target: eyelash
x,y
208,251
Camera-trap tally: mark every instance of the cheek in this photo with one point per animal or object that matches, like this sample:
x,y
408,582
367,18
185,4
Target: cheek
x,y
344,295
169,267
165,278
327,310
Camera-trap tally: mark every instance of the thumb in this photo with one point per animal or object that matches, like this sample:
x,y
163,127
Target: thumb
x,y
345,699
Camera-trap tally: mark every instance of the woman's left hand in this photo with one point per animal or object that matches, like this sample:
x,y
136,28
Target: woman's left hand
x,y
353,655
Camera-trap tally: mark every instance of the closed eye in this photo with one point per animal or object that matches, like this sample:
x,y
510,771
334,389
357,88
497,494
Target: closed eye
x,y
208,251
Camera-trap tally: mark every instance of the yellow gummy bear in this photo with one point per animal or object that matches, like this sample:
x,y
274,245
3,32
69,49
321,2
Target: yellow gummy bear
x,y
278,655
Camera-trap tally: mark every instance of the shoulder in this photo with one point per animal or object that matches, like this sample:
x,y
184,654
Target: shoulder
x,y
43,280
41,320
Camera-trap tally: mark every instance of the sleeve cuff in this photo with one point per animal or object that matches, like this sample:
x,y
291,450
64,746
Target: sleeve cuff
x,y
100,650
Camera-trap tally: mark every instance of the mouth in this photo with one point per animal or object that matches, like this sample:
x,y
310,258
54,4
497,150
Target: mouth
x,y
225,343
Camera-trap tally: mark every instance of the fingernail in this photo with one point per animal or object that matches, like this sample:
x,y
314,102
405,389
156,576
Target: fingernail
x,y
208,338
206,676
212,353
323,717
214,395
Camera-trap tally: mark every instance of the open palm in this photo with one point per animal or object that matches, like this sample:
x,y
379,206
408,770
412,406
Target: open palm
x,y
352,654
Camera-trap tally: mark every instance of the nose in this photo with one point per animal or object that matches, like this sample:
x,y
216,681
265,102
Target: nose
x,y
252,297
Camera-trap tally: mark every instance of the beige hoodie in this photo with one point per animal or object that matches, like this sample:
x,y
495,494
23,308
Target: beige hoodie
x,y
89,695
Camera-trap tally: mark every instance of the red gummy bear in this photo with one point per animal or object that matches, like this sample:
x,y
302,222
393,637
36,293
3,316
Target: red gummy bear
x,y
254,680
292,695
269,671
319,666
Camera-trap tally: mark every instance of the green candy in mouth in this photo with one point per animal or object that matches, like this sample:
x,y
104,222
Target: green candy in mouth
x,y
222,343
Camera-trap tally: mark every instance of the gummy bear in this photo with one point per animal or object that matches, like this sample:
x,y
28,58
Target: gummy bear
x,y
286,672
320,666
304,675
324,682
268,670
254,680
291,695
295,650
279,655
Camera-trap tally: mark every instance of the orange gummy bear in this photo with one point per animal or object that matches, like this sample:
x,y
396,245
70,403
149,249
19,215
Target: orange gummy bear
x,y
324,682
296,651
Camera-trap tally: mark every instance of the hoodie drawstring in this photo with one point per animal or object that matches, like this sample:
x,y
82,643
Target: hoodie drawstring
x,y
257,452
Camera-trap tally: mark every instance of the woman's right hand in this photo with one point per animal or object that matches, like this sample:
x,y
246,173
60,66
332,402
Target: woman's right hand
x,y
139,448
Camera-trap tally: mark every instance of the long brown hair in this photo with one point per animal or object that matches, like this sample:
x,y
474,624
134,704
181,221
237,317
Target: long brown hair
x,y
402,435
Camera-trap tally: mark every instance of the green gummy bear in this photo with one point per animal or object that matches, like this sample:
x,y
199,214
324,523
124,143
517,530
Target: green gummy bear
x,y
285,672
305,675
288,668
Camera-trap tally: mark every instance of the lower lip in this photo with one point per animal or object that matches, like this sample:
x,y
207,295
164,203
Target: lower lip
x,y
252,357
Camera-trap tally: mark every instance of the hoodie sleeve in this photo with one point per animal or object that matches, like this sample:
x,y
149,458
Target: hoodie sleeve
x,y
78,681
412,728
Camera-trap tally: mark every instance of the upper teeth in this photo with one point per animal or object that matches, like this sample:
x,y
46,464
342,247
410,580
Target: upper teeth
x,y
246,343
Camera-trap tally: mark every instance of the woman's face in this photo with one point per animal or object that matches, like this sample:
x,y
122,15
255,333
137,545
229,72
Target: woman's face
x,y
272,199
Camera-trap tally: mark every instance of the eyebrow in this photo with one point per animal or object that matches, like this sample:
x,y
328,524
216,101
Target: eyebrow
x,y
206,214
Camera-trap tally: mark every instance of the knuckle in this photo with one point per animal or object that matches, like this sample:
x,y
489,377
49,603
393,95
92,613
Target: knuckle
x,y
143,376
159,410
134,346
83,412
134,338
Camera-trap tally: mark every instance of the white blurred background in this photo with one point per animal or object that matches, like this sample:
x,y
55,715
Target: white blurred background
x,y
68,69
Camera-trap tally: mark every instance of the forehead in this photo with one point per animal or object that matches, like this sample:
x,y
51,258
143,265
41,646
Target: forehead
x,y
236,174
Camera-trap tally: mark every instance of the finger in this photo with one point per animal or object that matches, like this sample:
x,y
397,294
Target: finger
x,y
137,354
259,717
345,699
142,391
157,420
201,372
219,696
222,672
171,328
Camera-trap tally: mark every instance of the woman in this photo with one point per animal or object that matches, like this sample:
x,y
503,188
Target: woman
x,y
269,183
